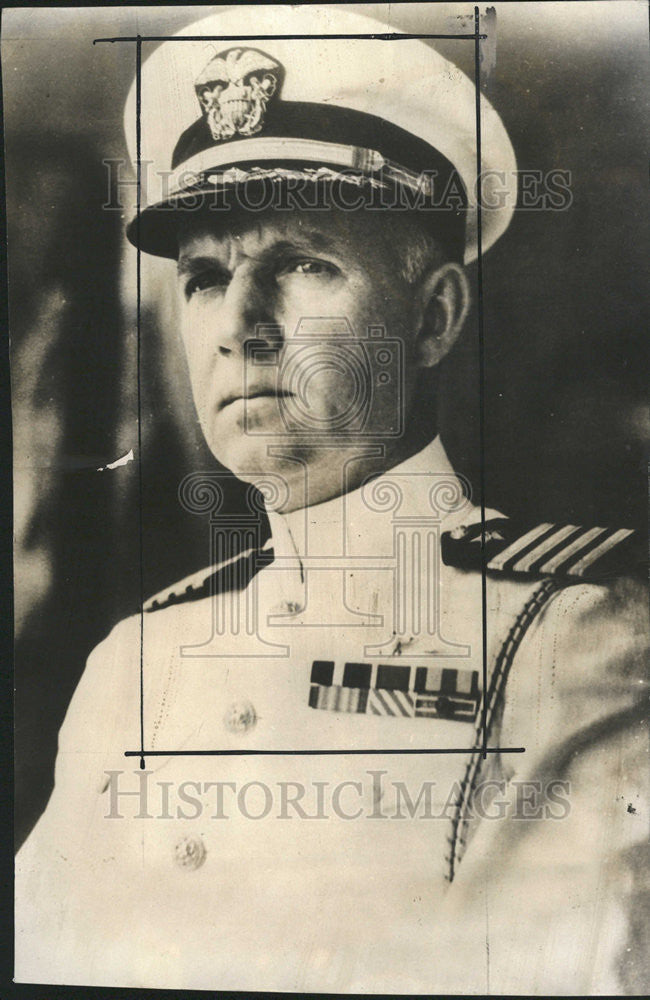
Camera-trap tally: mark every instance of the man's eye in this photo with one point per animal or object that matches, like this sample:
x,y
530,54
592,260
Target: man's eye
x,y
309,268
205,280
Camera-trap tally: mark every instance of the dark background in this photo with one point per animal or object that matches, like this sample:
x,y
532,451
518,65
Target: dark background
x,y
566,322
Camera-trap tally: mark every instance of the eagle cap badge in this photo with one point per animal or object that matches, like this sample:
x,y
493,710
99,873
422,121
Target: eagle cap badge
x,y
234,90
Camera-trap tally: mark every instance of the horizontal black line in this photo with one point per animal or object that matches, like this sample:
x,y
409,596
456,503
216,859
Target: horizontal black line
x,y
308,753
381,37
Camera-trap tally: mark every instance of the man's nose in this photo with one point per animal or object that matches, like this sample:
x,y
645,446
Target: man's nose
x,y
245,316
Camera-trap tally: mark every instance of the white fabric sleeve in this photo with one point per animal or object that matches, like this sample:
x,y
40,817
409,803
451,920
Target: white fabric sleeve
x,y
555,896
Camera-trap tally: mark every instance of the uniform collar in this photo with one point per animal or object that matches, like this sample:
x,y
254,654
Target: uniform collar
x,y
425,485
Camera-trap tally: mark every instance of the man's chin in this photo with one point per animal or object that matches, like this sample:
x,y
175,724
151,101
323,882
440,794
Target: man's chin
x,y
254,459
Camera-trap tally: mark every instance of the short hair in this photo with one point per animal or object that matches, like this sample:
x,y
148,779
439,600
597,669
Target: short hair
x,y
418,252
424,240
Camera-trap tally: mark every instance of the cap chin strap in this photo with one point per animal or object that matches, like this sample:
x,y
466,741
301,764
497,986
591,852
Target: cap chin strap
x,y
204,166
235,175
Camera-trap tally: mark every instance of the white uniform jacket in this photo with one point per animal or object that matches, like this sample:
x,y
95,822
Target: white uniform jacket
x,y
522,871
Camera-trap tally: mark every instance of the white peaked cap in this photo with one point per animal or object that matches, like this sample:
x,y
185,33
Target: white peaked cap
x,y
406,84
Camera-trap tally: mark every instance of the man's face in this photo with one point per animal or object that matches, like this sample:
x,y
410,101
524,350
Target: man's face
x,y
280,319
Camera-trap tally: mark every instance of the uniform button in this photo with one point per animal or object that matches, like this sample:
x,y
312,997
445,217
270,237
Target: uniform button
x,y
190,853
240,717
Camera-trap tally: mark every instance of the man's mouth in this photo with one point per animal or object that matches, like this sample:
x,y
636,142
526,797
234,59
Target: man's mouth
x,y
253,394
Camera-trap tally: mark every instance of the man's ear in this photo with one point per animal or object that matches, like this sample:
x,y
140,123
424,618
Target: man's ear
x,y
444,304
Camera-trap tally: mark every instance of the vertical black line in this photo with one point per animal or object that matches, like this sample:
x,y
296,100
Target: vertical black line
x,y
138,147
481,364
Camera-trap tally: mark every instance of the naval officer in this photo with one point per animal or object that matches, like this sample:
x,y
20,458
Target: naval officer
x,y
319,200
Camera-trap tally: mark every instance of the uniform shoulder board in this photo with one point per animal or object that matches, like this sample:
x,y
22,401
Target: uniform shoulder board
x,y
230,575
567,551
